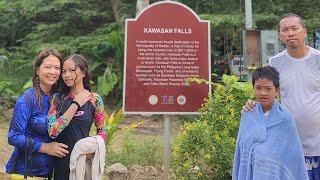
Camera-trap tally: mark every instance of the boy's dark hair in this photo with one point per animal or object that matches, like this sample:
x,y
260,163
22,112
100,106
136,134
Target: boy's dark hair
x,y
267,72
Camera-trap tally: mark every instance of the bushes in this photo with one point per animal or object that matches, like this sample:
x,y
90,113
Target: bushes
x,y
191,150
209,142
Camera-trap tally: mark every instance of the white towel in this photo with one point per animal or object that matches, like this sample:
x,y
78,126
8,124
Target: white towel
x,y
82,168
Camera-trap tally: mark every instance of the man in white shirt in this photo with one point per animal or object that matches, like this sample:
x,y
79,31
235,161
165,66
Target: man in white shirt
x,y
299,68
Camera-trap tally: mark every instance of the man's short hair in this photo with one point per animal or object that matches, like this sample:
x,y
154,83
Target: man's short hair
x,y
291,15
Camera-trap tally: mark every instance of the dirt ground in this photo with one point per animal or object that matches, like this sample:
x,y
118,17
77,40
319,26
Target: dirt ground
x,y
153,126
5,148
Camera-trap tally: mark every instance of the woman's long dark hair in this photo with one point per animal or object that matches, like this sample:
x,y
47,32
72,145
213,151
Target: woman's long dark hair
x,y
81,63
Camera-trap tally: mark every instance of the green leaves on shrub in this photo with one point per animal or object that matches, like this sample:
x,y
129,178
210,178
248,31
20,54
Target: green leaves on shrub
x,y
106,82
112,123
191,150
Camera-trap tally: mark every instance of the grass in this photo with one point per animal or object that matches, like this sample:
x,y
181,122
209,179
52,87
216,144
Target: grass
x,y
133,148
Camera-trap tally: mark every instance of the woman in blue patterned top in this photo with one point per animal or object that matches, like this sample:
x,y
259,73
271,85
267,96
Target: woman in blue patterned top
x,y
28,129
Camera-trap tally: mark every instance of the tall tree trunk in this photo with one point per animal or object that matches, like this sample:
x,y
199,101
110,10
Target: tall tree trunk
x,y
141,4
116,9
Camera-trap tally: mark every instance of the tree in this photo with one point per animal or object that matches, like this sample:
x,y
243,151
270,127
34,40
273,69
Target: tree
x,y
116,10
141,4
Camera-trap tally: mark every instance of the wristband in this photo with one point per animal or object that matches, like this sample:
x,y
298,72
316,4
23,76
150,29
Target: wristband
x,y
75,102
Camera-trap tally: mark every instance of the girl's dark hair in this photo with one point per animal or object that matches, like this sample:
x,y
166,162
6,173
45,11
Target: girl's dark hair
x,y
267,72
81,63
35,79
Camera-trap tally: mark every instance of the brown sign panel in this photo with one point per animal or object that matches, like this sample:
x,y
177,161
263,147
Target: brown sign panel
x,y
166,44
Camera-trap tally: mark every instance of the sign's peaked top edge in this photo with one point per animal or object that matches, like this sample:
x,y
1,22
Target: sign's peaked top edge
x,y
166,2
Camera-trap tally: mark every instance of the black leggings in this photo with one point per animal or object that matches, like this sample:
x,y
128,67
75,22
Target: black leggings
x,y
61,174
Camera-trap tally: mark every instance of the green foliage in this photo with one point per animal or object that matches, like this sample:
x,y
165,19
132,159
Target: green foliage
x,y
112,123
89,28
5,89
4,63
16,71
268,21
209,143
188,118
26,86
205,6
127,9
116,41
225,34
223,112
190,150
132,150
106,82
7,99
